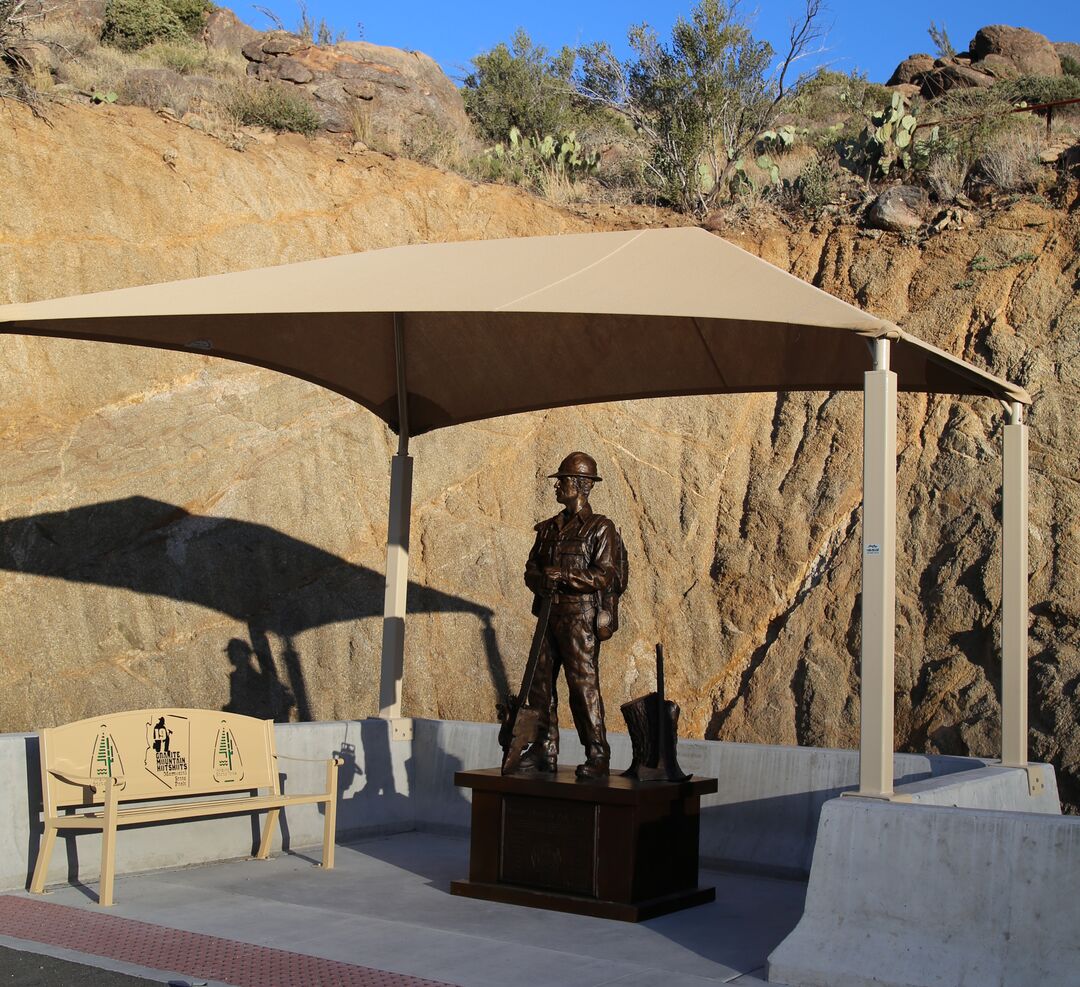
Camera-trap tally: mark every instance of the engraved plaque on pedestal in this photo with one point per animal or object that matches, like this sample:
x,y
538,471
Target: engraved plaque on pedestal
x,y
549,843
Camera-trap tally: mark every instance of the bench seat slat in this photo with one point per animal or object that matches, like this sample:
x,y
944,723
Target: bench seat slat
x,y
187,810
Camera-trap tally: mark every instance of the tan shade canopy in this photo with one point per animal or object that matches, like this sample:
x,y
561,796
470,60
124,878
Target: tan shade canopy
x,y
496,327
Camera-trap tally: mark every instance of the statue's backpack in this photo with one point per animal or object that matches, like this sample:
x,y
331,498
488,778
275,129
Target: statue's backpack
x,y
607,613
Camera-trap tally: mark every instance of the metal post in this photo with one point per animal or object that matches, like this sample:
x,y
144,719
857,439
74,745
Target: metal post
x,y
1014,591
397,556
878,575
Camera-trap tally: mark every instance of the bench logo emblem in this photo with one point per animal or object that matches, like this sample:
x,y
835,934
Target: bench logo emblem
x,y
105,758
167,747
228,767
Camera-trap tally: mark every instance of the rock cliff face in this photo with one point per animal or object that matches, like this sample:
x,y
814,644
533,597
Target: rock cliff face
x,y
180,530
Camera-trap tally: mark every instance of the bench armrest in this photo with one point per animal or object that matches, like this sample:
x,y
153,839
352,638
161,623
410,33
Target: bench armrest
x,y
310,760
98,784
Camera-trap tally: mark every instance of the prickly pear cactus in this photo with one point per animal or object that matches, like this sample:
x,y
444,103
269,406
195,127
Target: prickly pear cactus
x,y
889,141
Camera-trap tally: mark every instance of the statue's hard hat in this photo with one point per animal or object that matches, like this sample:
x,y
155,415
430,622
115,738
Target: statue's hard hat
x,y
578,464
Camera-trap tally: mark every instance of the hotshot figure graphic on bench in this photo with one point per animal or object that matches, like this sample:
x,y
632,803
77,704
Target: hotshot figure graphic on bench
x,y
161,736
578,560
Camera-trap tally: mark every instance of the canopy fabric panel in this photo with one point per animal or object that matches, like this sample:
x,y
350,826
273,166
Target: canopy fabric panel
x,y
502,326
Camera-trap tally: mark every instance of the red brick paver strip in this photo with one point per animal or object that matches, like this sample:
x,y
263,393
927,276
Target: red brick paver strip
x,y
190,953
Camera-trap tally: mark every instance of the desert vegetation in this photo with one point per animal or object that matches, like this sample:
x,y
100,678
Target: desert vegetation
x,y
708,119
714,119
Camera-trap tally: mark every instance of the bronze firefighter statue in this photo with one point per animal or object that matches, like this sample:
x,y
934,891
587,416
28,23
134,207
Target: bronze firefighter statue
x,y
576,569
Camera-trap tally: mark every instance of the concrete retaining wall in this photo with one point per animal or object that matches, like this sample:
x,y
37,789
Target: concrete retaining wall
x,y
763,820
919,895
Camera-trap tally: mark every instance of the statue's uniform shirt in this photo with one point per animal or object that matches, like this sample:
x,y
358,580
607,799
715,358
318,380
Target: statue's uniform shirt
x,y
582,549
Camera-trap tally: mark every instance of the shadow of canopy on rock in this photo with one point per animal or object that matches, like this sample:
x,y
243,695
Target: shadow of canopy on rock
x,y
274,583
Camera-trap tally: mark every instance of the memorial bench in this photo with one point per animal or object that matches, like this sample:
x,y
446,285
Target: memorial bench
x,y
161,765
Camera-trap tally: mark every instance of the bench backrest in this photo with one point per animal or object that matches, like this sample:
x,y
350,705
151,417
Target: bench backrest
x,y
160,753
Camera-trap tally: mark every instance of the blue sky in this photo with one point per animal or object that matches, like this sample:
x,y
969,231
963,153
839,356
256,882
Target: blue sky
x,y
864,35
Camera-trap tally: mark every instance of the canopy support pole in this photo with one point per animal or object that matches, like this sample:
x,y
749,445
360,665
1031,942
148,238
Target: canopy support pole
x,y
1014,591
397,556
878,576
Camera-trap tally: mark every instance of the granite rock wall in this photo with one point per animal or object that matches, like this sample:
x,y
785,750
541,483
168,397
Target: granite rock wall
x,y
180,530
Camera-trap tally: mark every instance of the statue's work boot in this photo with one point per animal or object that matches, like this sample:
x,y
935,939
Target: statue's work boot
x,y
536,759
593,768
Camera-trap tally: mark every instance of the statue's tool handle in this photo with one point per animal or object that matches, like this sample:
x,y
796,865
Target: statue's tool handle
x,y
534,650
661,710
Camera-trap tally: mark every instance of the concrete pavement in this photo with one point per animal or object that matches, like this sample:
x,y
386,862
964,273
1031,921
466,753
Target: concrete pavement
x,y
387,907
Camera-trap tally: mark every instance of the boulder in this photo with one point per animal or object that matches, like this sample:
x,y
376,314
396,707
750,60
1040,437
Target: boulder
x,y
253,51
911,69
998,66
898,209
281,43
225,31
401,90
33,55
907,89
292,70
1069,160
1030,52
85,13
952,76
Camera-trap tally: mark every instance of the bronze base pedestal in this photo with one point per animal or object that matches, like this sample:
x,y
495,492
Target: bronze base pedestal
x,y
618,848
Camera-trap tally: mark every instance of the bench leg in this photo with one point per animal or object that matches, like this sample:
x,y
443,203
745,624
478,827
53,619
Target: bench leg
x,y
267,833
41,865
330,822
108,848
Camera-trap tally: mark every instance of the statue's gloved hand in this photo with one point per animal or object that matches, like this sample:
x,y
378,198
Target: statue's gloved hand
x,y
552,575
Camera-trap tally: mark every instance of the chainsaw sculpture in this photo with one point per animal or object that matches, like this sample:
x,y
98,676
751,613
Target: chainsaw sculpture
x,y
653,724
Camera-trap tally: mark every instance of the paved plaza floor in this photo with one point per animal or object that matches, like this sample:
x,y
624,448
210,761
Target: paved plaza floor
x,y
385,917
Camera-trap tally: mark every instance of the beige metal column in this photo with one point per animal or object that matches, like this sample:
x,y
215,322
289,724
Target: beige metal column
x,y
878,575
397,557
1014,591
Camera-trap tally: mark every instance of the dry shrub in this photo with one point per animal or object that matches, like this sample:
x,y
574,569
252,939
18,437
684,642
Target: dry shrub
x,y
88,66
439,146
190,58
271,106
1011,161
560,189
157,89
947,174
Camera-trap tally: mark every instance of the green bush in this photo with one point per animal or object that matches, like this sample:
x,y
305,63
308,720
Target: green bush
x,y
826,95
134,24
1033,89
1070,66
191,14
815,186
273,107
520,85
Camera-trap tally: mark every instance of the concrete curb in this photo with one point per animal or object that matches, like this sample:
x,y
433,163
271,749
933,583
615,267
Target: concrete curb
x,y
921,895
